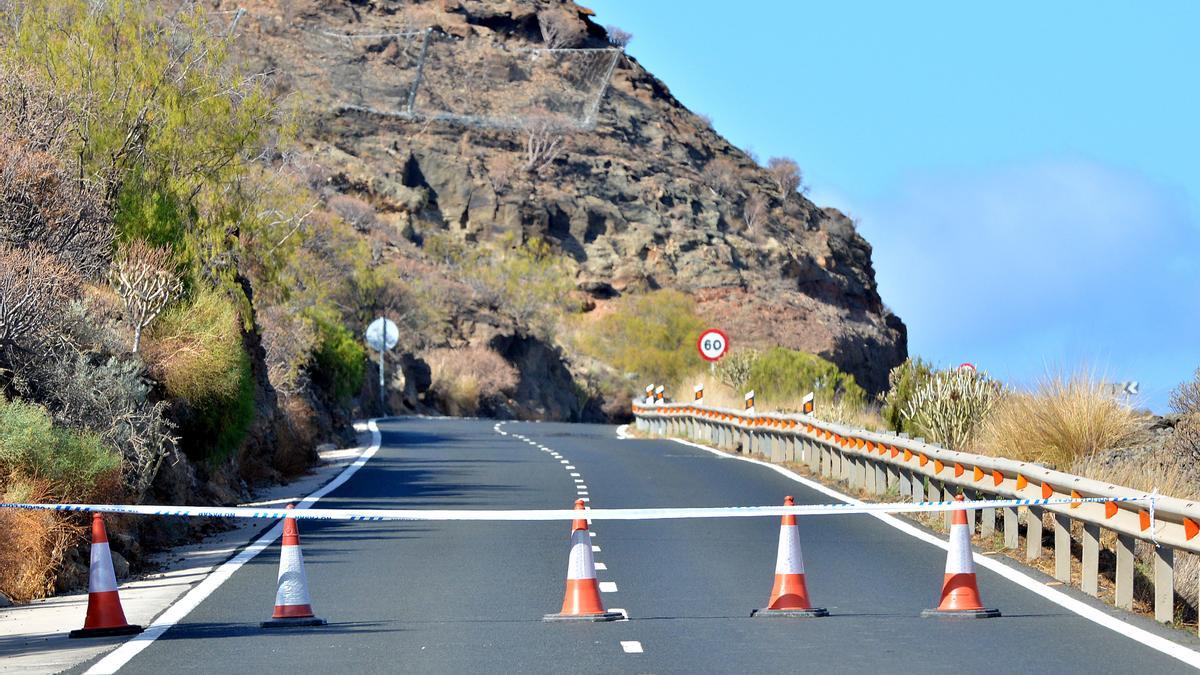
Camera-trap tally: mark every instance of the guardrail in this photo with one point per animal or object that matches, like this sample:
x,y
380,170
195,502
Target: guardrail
x,y
882,463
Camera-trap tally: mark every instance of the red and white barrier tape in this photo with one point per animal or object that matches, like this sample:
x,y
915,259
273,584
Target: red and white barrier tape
x,y
561,514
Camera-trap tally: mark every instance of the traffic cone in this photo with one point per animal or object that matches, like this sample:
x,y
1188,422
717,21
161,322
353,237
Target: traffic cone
x,y
789,595
292,604
582,599
960,593
105,617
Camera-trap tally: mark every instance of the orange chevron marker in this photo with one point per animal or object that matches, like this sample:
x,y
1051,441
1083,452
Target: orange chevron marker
x,y
1047,491
894,451
938,466
1144,520
907,454
997,477
1021,482
958,469
1110,509
1190,529
1075,495
923,460
978,473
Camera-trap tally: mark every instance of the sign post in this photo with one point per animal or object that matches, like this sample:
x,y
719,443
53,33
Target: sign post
x,y
381,336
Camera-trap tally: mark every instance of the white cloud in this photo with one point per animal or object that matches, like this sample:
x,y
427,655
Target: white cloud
x,y
1040,263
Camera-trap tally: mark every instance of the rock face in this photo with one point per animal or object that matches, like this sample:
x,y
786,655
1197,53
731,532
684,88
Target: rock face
x,y
649,197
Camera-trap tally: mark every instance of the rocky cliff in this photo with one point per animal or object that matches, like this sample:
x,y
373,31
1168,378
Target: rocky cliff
x,y
642,195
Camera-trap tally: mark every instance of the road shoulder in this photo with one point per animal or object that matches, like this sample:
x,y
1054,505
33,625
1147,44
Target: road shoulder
x,y
33,637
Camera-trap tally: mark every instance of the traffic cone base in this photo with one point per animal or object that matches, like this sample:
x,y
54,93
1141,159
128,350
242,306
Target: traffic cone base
x,y
105,617
129,629
810,613
960,592
293,622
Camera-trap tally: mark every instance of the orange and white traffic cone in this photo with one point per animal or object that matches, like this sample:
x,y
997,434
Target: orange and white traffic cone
x,y
293,607
789,595
105,617
582,599
960,593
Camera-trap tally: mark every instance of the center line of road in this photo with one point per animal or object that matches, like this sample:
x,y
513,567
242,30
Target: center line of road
x,y
608,587
631,646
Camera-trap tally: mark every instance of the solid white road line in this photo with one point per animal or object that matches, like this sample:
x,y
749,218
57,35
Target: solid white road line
x,y
1112,622
192,599
608,587
631,646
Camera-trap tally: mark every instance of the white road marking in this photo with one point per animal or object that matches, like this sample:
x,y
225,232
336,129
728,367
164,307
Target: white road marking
x,y
631,646
584,500
575,475
578,480
569,467
608,587
120,656
591,533
600,566
563,461
581,493
1113,622
622,612
622,432
595,548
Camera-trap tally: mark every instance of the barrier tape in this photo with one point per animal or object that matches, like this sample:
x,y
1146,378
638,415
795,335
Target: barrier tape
x,y
561,514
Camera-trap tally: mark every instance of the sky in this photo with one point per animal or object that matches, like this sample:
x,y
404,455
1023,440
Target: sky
x,y
1028,173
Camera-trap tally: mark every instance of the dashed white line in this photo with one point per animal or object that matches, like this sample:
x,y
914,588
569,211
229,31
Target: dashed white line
x,y
563,461
575,475
569,467
595,548
601,566
608,587
578,481
631,646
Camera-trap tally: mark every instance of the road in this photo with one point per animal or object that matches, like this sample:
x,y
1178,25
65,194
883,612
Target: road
x,y
458,597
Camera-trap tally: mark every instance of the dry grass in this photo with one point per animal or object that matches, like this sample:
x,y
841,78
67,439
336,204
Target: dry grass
x,y
32,545
462,378
1062,420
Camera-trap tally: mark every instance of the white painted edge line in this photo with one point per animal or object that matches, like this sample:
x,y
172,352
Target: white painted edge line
x,y
1109,621
631,646
608,587
621,432
178,610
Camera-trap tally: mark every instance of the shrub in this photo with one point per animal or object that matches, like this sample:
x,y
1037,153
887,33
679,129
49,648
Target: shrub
x,y
948,407
33,287
618,37
721,176
782,375
74,465
903,381
340,360
734,369
785,172
652,336
143,278
462,378
195,350
1062,420
1185,399
289,339
32,543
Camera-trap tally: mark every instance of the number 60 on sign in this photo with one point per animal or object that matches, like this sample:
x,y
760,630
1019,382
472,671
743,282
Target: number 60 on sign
x,y
713,344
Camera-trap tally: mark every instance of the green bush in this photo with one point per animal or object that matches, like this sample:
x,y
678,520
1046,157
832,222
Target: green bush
x,y
340,360
903,382
779,376
195,350
950,405
76,464
652,336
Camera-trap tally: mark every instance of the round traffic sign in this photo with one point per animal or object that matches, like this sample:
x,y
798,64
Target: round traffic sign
x,y
382,334
967,366
712,344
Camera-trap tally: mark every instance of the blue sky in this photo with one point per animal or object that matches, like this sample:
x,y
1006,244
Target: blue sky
x,y
1027,172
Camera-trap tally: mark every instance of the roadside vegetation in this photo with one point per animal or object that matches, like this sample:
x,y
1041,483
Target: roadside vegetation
x,y
156,228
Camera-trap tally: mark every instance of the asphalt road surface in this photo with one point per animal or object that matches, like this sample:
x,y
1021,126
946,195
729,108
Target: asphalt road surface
x,y
469,597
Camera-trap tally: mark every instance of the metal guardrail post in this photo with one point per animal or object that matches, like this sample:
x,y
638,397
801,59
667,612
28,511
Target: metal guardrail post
x,y
1164,584
1124,594
1090,573
1062,548
1033,532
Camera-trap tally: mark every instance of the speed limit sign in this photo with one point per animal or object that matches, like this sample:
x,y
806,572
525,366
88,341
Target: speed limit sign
x,y
712,344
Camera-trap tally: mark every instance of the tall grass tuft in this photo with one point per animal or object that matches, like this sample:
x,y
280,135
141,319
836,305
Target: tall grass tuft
x,y
1063,419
